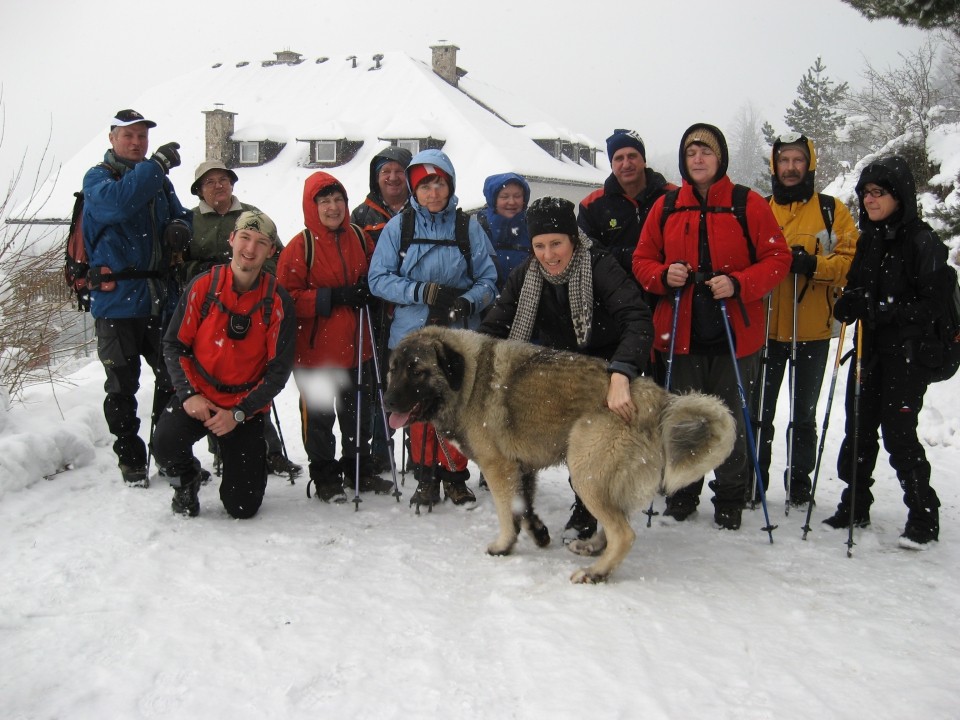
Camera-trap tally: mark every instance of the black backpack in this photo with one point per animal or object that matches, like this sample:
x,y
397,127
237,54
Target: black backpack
x,y
947,330
462,235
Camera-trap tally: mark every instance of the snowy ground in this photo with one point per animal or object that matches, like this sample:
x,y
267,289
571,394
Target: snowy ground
x,y
111,607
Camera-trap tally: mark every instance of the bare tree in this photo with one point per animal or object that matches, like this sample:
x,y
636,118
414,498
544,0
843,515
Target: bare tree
x,y
33,307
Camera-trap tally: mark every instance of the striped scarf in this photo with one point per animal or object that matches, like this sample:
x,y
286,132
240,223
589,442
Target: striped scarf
x,y
578,275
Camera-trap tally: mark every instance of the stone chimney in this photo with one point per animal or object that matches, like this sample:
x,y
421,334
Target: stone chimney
x,y
445,61
218,132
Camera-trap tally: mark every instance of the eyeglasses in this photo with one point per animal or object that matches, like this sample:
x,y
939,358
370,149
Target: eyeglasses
x,y
216,182
875,193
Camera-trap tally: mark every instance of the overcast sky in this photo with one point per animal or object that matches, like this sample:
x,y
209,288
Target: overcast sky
x,y
657,68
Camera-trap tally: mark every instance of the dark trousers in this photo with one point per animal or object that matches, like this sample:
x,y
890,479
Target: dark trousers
x,y
891,397
714,375
243,452
121,342
318,416
809,369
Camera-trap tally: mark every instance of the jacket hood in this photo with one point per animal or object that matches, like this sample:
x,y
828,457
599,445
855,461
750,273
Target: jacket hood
x,y
724,153
313,185
493,184
797,193
440,159
392,152
893,173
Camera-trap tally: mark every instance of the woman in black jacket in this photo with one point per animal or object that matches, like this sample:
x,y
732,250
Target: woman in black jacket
x,y
571,295
894,289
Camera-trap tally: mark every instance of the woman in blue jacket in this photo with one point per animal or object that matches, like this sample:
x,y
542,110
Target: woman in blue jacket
x,y
505,221
433,277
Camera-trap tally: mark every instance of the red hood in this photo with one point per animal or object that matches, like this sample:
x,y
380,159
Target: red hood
x,y
314,184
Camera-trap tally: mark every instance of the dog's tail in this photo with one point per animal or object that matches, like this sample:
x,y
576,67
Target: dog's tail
x,y
698,434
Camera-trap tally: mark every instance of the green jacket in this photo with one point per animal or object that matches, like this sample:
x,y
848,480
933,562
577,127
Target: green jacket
x,y
211,234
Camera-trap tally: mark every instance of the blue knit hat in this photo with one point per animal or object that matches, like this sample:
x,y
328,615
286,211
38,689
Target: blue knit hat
x,y
625,138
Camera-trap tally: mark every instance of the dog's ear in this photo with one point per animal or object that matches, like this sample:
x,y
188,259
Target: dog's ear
x,y
451,364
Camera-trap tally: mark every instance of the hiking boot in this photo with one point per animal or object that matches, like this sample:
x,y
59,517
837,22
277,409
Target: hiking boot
x,y
277,464
375,484
427,493
861,515
799,491
922,528
134,476
679,508
186,494
581,525
330,491
455,487
727,515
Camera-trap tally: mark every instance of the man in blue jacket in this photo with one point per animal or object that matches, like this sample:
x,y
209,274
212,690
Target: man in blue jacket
x,y
135,230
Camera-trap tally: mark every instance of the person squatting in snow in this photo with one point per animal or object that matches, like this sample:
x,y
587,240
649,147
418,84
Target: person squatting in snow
x,y
229,350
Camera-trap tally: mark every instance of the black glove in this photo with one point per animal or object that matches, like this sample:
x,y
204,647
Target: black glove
x,y
803,262
440,297
355,296
461,310
850,307
167,156
177,236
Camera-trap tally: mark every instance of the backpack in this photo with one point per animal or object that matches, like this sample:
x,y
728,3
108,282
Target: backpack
x,y
308,249
462,235
947,331
739,210
76,265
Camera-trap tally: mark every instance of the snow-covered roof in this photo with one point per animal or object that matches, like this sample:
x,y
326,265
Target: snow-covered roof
x,y
311,100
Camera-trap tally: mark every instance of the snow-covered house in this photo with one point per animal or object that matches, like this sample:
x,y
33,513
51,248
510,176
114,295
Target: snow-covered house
x,y
277,120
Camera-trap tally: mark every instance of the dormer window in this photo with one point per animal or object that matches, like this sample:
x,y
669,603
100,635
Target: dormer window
x,y
412,145
325,151
249,153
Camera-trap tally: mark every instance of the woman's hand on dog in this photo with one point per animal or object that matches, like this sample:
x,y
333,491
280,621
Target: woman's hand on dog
x,y
618,397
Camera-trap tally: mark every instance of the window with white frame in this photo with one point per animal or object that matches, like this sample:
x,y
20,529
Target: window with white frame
x,y
325,151
249,153
412,145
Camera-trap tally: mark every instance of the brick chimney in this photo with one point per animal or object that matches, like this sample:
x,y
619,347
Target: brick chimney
x,y
445,61
218,132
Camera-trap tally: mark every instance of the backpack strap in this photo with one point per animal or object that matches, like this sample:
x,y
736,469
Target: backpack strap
x,y
212,291
739,210
461,235
828,209
308,250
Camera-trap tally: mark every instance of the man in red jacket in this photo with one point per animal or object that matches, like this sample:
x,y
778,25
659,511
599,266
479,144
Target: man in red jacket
x,y
229,350
700,255
325,268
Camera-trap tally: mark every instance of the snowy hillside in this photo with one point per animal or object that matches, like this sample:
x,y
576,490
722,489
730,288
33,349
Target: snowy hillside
x,y
112,607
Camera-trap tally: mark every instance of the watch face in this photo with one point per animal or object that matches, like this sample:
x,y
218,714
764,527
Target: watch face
x,y
239,416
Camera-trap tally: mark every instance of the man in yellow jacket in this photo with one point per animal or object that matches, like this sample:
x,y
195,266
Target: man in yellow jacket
x,y
823,237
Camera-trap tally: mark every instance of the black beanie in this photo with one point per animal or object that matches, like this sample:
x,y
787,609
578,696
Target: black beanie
x,y
552,215
625,138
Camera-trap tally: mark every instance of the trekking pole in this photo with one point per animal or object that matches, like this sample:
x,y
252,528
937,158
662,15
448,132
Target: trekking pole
x,y
649,512
356,443
378,379
823,430
792,387
283,445
746,421
856,436
404,439
764,363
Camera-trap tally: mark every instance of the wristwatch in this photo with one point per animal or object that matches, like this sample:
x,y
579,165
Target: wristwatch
x,y
239,415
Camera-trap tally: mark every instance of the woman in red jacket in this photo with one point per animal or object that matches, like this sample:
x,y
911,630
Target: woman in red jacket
x,y
704,252
329,287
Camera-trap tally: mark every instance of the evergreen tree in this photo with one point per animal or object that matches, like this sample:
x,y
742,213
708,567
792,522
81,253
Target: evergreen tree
x,y
817,113
927,14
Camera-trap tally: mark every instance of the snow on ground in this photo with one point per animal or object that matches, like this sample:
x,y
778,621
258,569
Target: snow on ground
x,y
111,607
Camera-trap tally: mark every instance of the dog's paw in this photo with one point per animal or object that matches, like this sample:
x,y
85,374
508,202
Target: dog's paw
x,y
497,547
584,576
587,548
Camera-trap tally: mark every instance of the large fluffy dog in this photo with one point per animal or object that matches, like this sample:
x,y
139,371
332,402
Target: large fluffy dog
x,y
515,408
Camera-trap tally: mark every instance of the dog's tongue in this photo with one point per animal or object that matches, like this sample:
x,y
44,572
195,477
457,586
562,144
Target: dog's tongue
x,y
399,420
